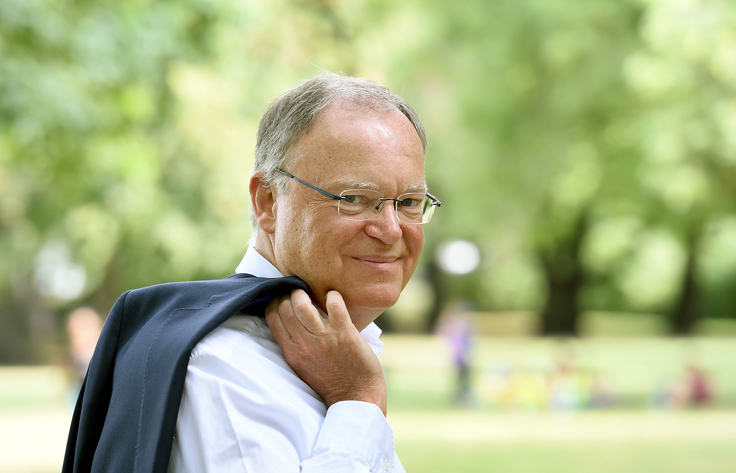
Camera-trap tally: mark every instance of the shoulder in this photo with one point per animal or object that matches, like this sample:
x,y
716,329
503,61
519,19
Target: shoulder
x,y
193,288
199,293
191,294
243,352
240,336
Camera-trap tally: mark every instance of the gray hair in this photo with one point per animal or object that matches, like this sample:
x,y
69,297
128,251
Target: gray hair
x,y
292,114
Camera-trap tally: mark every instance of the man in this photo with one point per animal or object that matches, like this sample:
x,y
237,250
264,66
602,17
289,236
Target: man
x,y
338,200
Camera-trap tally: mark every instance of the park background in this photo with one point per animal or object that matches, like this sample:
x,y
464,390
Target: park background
x,y
584,153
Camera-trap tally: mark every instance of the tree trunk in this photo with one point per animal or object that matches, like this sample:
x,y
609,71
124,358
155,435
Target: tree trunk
x,y
15,346
434,277
564,275
685,313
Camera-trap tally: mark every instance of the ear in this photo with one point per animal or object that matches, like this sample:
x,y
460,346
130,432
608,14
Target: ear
x,y
263,200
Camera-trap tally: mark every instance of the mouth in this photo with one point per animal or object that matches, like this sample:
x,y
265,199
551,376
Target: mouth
x,y
382,263
378,259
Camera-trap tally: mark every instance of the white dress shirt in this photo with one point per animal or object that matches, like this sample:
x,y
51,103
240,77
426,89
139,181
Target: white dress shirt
x,y
245,410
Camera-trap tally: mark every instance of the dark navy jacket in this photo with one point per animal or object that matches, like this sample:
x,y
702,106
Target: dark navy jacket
x,y
125,417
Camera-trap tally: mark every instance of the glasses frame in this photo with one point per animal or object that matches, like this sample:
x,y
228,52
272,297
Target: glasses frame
x,y
435,202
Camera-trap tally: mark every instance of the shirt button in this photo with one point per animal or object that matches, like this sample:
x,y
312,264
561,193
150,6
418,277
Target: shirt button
x,y
388,465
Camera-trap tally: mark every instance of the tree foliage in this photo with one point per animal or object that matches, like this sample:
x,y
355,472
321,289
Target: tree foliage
x,y
586,147
99,179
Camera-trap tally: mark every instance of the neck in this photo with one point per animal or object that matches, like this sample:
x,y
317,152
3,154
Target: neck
x,y
363,317
263,246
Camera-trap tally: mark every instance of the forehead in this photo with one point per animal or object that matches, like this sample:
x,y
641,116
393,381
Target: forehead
x,y
349,145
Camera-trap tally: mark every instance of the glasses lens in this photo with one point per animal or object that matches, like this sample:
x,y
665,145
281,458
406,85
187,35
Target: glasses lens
x,y
428,209
359,204
411,208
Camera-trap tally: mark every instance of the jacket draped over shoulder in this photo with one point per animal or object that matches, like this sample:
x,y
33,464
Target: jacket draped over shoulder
x,y
125,416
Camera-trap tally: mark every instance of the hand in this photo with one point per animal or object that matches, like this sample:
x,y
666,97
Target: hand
x,y
329,354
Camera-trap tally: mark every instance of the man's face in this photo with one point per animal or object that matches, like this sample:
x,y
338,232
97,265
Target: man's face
x,y
368,262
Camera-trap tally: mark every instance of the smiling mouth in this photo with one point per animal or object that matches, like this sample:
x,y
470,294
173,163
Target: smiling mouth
x,y
377,259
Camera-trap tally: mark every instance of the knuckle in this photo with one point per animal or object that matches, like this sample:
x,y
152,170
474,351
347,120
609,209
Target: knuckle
x,y
283,305
303,307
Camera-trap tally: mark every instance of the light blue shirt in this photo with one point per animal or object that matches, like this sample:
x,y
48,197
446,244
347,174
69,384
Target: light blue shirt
x,y
245,410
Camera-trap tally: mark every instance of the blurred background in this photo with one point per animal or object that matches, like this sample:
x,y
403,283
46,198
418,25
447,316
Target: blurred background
x,y
574,306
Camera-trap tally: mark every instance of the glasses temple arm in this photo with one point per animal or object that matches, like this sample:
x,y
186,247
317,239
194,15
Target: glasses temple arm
x,y
336,197
434,199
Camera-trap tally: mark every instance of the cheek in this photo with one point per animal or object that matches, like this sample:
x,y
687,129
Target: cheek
x,y
415,240
321,238
341,233
415,243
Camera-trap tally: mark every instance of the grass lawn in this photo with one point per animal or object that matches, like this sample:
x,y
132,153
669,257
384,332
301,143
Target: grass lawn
x,y
434,436
420,375
588,457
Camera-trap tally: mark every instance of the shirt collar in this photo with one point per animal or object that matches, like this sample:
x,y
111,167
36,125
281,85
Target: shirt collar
x,y
254,263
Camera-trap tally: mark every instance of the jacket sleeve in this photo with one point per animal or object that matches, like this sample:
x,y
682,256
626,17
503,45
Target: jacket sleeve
x,y
94,396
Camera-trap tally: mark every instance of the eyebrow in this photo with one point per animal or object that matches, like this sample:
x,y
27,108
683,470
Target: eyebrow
x,y
356,185
416,187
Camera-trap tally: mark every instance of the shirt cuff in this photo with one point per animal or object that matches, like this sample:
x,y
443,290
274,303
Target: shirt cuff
x,y
359,429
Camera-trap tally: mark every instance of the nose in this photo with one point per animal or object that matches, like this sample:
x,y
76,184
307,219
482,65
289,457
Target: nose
x,y
385,226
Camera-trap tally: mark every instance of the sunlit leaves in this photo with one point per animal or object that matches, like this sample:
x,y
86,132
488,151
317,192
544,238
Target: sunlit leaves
x,y
651,282
127,131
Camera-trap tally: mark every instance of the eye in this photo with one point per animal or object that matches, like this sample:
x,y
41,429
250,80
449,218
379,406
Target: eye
x,y
410,202
353,199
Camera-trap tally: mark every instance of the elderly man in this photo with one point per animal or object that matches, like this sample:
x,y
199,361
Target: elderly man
x,y
338,200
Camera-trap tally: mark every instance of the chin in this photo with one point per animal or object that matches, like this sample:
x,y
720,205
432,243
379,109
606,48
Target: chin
x,y
366,306
379,298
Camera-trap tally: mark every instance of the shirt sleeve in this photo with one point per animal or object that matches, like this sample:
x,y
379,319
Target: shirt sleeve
x,y
248,418
356,437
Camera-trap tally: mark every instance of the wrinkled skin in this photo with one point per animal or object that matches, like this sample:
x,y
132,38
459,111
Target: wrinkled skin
x,y
355,270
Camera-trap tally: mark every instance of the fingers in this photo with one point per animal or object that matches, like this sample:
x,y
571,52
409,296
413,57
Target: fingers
x,y
301,306
280,334
339,318
294,313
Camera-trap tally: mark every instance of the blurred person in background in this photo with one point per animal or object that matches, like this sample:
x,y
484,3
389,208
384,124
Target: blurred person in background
x,y
699,392
190,377
692,388
458,330
83,327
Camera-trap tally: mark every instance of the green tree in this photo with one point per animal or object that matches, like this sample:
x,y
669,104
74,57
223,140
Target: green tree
x,y
86,150
684,75
523,96
126,136
583,146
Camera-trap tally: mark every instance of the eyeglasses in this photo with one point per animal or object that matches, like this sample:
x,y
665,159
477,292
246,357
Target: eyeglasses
x,y
364,204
